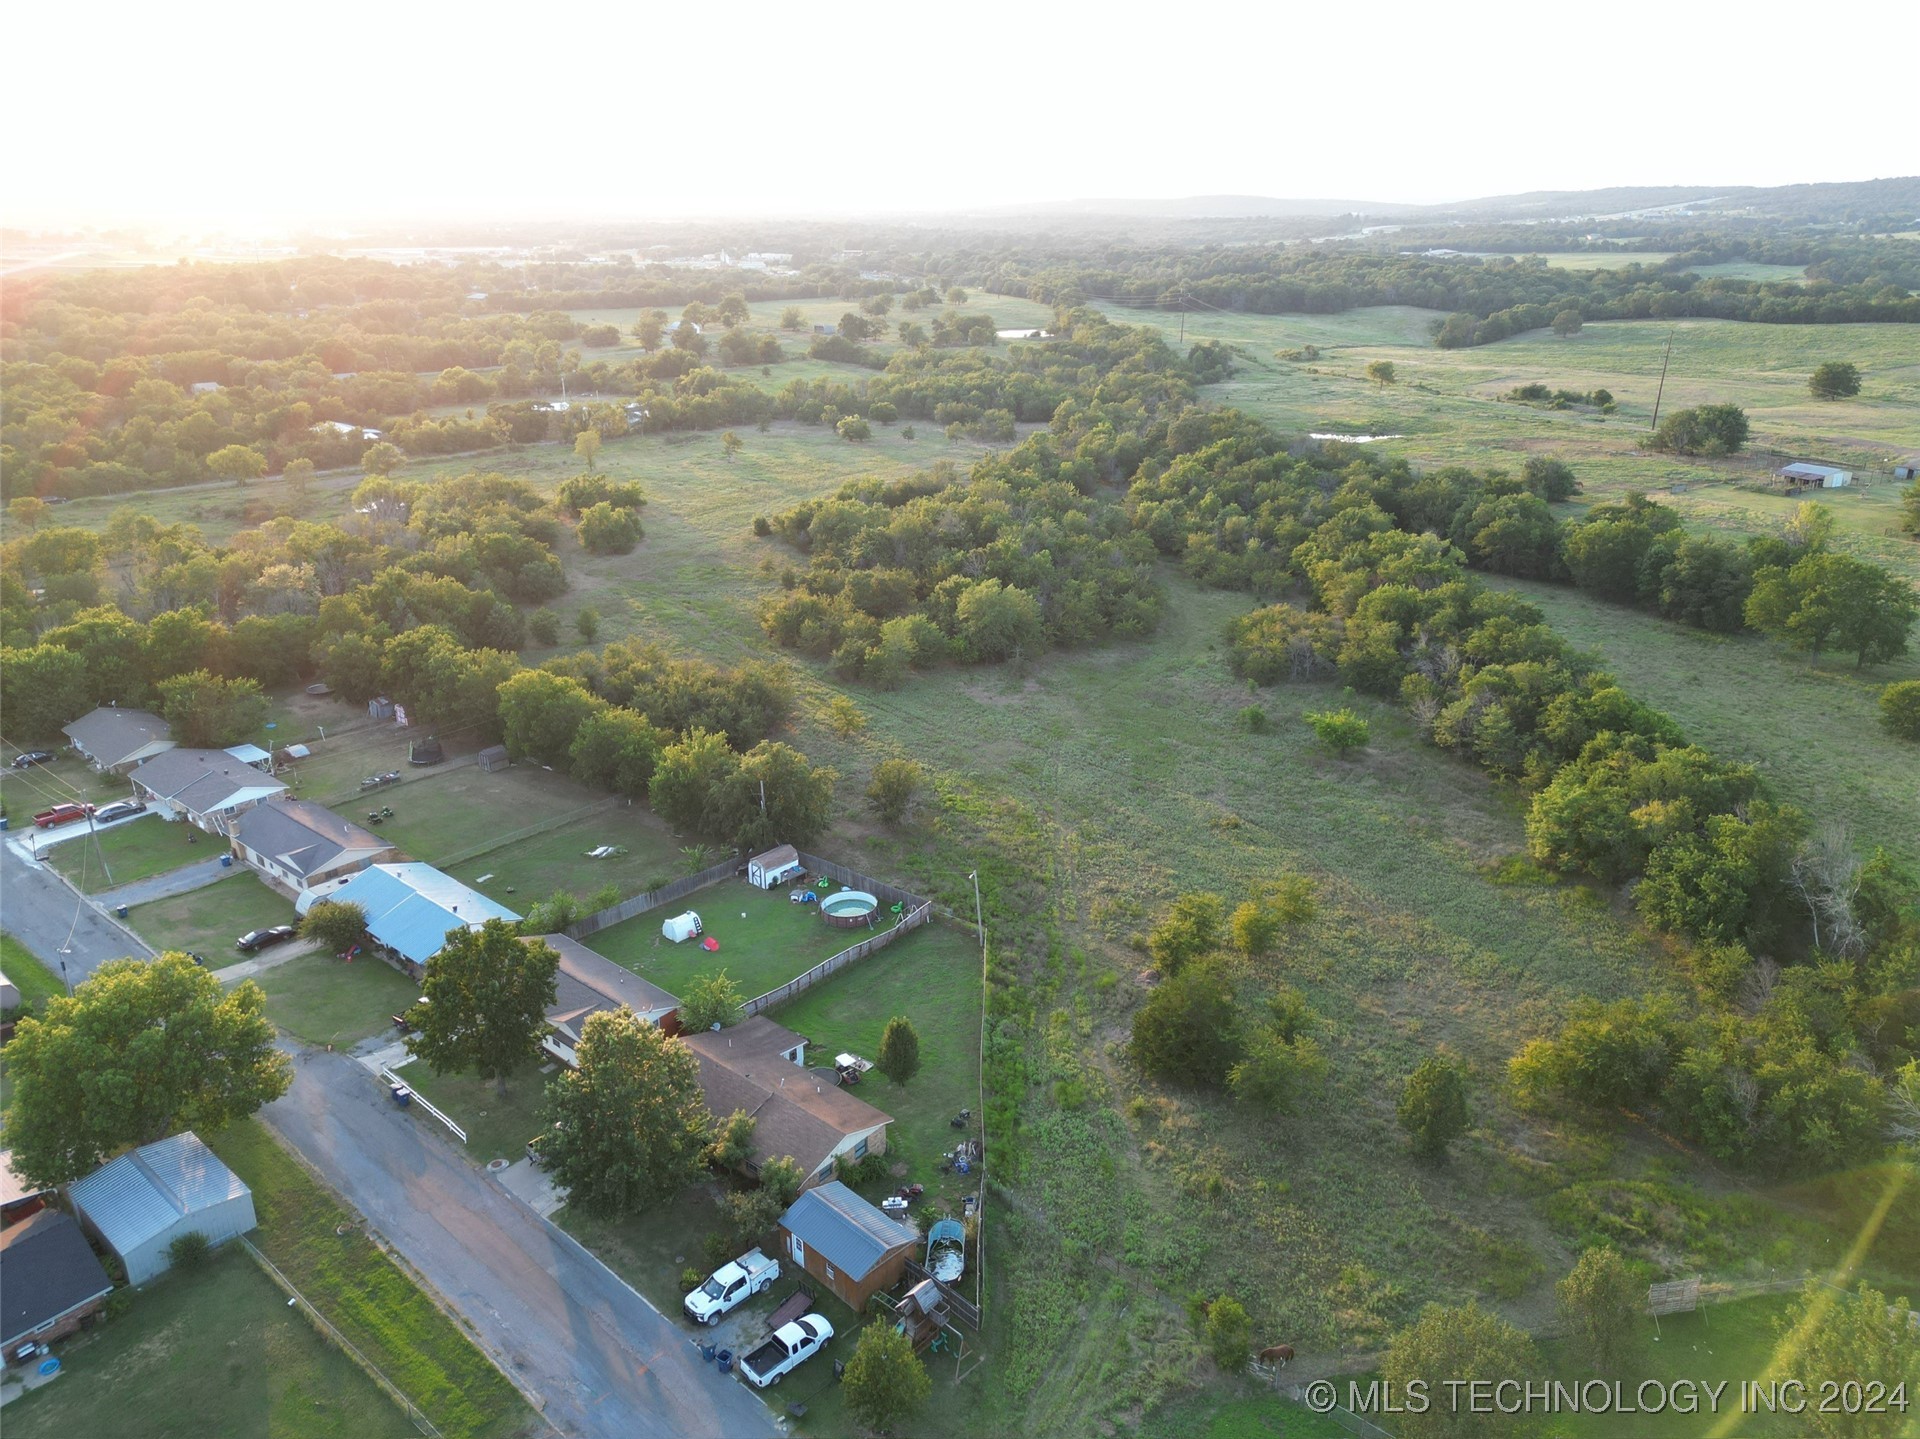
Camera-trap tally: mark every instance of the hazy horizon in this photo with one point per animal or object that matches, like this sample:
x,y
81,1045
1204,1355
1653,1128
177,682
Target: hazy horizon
x,y
399,115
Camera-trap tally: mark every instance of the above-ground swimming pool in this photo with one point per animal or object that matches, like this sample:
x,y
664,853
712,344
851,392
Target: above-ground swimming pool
x,y
849,909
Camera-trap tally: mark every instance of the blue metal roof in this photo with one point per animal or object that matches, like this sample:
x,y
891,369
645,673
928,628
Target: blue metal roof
x,y
844,1229
411,907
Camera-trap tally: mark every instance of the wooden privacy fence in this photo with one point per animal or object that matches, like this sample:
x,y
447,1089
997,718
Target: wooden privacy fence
x,y
962,1309
887,894
773,997
641,903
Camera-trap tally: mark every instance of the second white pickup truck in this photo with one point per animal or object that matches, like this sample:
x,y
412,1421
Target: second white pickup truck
x,y
791,1345
752,1273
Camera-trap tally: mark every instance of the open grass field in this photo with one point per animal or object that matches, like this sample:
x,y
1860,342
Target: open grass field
x,y
764,939
532,868
322,1249
1811,728
933,978
210,1352
1255,1416
1447,403
122,853
496,1128
208,921
324,1000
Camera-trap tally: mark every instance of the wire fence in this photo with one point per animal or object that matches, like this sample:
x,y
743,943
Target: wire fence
x,y
512,836
775,997
1345,1418
321,1322
653,898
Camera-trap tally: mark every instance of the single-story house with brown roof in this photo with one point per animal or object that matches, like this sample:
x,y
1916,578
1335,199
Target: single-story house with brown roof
x,y
114,740
758,1068
299,844
589,983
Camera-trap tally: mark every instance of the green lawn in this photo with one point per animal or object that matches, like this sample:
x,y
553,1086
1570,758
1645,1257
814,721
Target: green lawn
x,y
33,979
765,940
367,1297
24,792
496,1128
931,976
324,1000
137,849
533,868
1250,1416
210,1352
208,921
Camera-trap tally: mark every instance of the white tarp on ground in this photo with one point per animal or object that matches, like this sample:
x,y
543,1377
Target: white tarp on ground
x,y
681,926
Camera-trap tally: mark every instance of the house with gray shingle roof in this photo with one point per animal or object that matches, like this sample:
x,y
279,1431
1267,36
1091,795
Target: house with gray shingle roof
x,y
115,740
297,844
208,787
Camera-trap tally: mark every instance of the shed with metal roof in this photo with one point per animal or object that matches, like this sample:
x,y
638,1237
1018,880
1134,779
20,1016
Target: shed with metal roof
x,y
848,1245
138,1204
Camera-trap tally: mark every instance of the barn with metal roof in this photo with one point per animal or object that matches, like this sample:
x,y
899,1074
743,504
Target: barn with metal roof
x,y
138,1204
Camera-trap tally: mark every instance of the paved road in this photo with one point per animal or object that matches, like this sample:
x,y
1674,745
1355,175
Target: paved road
x,y
40,911
602,1361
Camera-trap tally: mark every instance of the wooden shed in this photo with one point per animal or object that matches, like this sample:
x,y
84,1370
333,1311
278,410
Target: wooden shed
x,y
844,1242
774,867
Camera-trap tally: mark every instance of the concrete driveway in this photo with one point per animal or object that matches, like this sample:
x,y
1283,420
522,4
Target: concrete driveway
x,y
600,1360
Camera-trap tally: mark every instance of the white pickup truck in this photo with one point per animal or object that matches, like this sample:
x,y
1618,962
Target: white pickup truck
x,y
791,1345
752,1273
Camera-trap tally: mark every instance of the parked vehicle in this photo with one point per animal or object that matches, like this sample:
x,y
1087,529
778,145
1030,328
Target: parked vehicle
x,y
790,1347
374,781
729,1285
255,939
61,814
26,759
120,809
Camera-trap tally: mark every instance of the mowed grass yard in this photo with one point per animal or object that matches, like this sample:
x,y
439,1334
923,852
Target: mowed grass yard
x,y
207,921
523,870
131,850
215,1351
324,1000
932,977
496,1128
323,1251
765,939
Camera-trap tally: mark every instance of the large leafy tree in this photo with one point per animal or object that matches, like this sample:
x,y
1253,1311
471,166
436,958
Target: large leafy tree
x,y
1458,1344
1835,380
885,1381
1835,600
140,1051
542,714
687,780
336,925
46,687
209,712
774,796
628,1126
1600,1301
487,993
1851,1339
617,750
1188,1030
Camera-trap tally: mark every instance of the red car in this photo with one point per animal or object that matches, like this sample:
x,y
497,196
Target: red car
x,y
61,814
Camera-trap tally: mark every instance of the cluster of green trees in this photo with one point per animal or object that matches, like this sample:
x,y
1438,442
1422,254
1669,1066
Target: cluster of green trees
x,y
1536,393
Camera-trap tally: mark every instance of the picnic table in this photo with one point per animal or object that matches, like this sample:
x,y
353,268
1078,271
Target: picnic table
x,y
791,1308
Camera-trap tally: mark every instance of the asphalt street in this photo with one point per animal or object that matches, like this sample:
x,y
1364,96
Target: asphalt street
x,y
602,1361
39,910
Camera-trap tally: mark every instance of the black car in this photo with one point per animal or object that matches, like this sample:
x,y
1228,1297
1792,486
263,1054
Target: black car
x,y
119,810
261,938
26,759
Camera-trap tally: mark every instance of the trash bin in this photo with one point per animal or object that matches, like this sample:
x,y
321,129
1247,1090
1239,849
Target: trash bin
x,y
121,910
726,1361
402,1096
226,861
707,1351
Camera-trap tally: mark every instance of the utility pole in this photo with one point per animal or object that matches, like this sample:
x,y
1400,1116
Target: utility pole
x,y
979,922
1657,394
1183,317
763,799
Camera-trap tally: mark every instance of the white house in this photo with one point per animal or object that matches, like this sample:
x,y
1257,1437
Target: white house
x,y
138,1204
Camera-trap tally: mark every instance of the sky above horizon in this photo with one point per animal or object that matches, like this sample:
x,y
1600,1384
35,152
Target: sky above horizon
x,y
219,115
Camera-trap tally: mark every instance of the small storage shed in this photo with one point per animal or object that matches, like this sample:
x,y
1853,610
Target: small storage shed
x,y
379,707
775,867
681,926
494,757
138,1204
1907,469
1819,477
845,1243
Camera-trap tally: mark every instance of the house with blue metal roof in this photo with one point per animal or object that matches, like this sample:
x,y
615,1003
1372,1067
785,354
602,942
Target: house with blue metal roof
x,y
138,1204
851,1247
411,908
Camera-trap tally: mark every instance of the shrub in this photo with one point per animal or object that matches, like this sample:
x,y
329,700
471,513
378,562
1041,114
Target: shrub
x,y
1187,1031
895,784
1900,709
1433,1105
543,627
1600,1302
190,1250
1229,1334
899,1050
1835,380
1192,927
691,1278
885,1381
1253,720
1341,731
609,530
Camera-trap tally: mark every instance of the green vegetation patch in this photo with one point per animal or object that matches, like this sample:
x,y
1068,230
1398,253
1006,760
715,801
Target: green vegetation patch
x,y
366,1296
325,1000
212,1351
207,921
124,853
34,980
496,1128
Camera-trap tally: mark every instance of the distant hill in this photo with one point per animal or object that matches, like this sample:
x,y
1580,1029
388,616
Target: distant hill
x,y
1844,200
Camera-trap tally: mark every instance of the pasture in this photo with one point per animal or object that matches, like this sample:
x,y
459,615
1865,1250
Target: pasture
x,y
1448,405
213,1351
